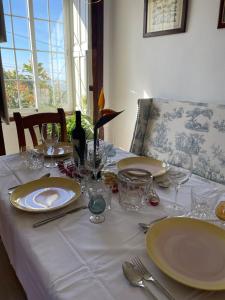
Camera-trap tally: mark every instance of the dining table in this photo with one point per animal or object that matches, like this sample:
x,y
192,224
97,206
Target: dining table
x,y
72,258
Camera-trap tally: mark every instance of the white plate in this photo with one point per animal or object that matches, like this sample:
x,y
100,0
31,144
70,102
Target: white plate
x,y
190,251
156,167
45,194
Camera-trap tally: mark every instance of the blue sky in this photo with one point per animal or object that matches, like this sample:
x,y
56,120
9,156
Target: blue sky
x,y
22,40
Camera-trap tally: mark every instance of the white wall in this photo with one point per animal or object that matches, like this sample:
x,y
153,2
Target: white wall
x,y
11,139
184,66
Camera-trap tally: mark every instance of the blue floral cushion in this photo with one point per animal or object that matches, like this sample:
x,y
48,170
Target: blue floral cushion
x,y
196,128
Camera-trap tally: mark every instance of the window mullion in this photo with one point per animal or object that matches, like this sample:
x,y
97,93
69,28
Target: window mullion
x,y
14,52
69,45
34,53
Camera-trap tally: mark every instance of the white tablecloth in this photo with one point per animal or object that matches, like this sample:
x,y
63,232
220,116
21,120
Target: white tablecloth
x,y
72,258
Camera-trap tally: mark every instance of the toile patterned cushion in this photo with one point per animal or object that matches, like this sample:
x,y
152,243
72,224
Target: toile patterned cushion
x,y
196,128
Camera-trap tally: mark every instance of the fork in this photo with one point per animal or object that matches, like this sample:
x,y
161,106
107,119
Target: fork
x,y
148,276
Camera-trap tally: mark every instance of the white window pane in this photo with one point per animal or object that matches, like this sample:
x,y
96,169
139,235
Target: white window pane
x,y
42,35
6,6
46,94
44,65
8,61
60,92
83,76
21,33
57,36
19,7
58,63
24,64
56,10
11,89
8,26
26,92
40,8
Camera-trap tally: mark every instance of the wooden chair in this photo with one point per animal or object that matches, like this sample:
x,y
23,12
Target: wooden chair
x,y
28,122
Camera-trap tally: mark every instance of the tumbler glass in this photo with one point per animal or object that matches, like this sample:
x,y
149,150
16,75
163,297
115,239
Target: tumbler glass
x,y
133,185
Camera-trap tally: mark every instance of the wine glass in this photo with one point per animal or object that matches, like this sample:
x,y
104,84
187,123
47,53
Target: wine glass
x,y
95,160
179,172
50,137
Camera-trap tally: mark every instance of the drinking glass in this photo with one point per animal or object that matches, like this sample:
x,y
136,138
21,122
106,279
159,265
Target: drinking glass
x,y
203,201
133,186
50,137
95,162
179,172
97,202
34,158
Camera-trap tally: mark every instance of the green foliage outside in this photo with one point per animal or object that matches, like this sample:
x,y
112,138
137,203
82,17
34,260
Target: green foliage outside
x,y
26,92
20,89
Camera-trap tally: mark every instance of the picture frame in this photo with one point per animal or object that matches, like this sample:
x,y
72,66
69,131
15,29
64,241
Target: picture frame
x,y
221,20
162,17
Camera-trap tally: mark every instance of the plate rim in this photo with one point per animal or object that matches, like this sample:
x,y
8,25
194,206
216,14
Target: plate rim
x,y
184,279
143,158
38,183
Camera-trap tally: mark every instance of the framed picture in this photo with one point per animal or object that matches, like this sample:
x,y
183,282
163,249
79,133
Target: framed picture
x,y
221,21
164,17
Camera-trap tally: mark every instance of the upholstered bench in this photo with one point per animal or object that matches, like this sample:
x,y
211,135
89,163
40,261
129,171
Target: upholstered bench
x,y
163,126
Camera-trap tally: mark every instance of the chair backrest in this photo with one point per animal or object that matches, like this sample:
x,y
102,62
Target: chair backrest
x,y
198,128
29,122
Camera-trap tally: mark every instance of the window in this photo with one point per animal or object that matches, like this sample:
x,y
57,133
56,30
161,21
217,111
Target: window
x,y
39,67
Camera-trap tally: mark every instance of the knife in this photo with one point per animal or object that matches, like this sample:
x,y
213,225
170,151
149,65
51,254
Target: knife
x,y
45,221
15,186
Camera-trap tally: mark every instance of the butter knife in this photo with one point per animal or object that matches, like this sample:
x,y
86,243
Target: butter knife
x,y
45,221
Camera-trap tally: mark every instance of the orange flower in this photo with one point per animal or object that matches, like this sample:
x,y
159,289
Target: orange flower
x,y
101,100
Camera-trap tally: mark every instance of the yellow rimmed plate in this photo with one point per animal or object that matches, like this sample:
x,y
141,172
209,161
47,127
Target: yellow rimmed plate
x,y
45,194
190,251
61,149
155,166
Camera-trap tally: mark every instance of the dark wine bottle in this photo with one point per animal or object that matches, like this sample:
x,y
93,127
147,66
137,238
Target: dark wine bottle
x,y
79,141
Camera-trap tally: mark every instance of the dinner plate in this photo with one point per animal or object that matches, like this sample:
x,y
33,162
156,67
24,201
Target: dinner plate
x,y
156,167
61,149
190,251
45,194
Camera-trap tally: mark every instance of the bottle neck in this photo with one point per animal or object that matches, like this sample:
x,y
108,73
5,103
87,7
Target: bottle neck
x,y
78,118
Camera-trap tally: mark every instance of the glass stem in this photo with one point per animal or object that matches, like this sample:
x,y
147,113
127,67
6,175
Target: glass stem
x,y
95,173
177,187
52,152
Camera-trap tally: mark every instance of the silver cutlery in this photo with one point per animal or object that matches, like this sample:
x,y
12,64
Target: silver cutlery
x,y
60,215
148,276
12,188
134,278
146,226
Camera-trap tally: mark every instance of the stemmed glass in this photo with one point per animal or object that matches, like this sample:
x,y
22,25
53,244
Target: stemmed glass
x,y
95,164
179,171
50,137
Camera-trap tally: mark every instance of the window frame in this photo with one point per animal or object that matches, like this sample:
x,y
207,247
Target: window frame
x,y
68,55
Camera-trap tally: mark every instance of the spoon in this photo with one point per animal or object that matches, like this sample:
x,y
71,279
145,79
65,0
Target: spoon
x,y
134,278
